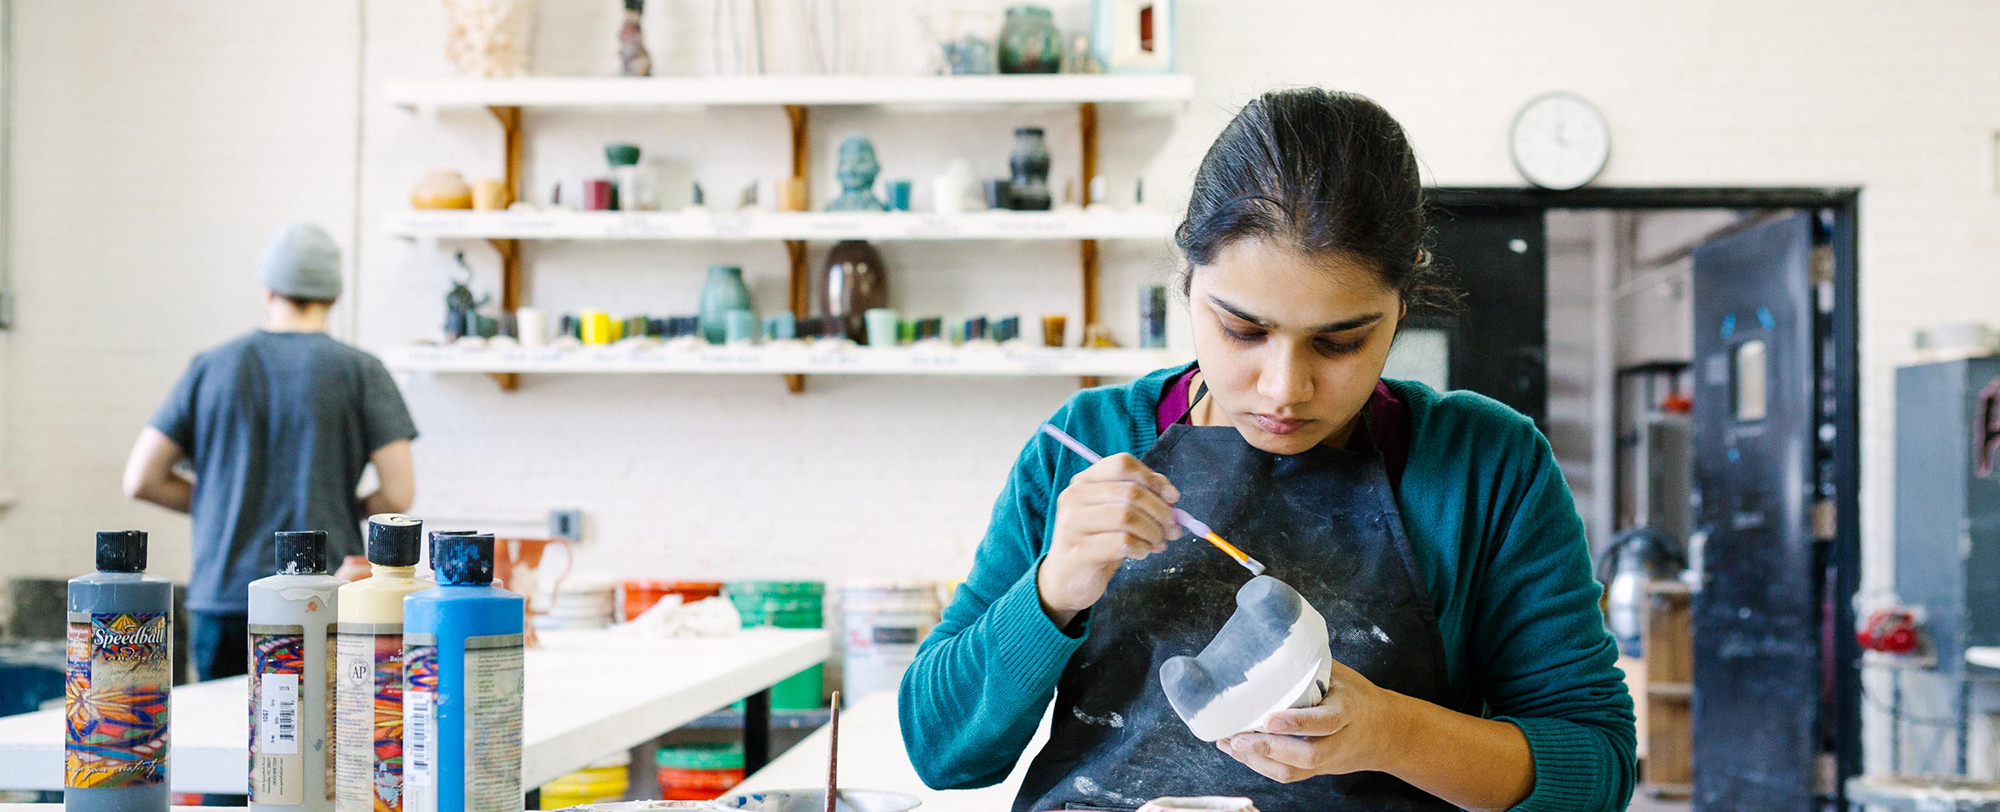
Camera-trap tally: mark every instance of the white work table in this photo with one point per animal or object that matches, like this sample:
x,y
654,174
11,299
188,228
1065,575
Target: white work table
x,y
872,757
587,695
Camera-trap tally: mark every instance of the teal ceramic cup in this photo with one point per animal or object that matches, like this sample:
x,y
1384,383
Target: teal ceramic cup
x,y
739,326
781,327
881,324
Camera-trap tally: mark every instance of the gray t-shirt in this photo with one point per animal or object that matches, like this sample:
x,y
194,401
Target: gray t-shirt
x,y
279,427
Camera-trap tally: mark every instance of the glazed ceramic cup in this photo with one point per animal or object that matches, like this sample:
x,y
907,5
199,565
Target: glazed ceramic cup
x,y
599,195
531,326
490,195
1054,325
881,322
999,193
739,326
949,191
596,327
781,327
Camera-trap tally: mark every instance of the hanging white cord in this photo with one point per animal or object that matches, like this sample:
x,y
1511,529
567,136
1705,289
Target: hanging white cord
x,y
715,36
757,31
839,58
6,161
813,44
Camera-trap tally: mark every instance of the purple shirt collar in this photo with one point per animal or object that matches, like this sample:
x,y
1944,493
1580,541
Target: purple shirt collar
x,y
1388,419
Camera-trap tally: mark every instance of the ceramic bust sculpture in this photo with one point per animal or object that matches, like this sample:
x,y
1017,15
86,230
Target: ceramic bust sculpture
x,y
857,172
1274,654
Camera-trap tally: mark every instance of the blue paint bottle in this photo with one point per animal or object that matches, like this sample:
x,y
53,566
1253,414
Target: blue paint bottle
x,y
120,669
462,672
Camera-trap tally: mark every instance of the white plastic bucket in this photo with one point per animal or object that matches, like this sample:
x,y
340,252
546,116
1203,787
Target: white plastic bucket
x,y
884,624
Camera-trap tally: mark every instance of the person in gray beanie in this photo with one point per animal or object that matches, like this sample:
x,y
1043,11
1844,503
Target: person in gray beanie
x,y
277,426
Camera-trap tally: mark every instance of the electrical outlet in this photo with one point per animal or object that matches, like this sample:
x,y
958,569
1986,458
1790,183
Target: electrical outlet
x,y
566,523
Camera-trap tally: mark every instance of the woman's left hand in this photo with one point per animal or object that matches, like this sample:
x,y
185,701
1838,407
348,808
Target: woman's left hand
x,y
1357,726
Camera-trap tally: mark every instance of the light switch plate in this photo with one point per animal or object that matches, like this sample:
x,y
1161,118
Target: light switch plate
x,y
566,523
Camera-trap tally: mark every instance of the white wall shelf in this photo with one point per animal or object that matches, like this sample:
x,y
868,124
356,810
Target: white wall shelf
x,y
749,226
784,360
426,96
506,99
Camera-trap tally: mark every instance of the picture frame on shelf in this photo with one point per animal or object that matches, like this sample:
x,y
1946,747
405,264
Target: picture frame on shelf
x,y
1133,36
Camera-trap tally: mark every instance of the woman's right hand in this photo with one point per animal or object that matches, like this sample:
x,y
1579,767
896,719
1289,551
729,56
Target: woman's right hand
x,y
1114,510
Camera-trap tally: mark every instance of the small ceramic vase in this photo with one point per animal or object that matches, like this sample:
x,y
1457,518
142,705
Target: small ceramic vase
x,y
969,55
853,280
1029,188
632,57
441,189
724,292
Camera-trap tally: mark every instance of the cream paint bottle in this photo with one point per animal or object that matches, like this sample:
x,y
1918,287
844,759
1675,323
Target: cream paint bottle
x,y
291,678
368,721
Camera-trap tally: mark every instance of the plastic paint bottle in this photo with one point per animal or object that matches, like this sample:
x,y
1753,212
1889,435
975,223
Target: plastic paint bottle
x,y
462,664
120,670
368,719
291,678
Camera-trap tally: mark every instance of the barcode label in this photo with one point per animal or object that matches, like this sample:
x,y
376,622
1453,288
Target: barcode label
x,y
278,721
419,739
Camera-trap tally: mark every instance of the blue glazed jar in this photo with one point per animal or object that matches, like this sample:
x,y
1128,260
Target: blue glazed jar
x,y
1029,41
723,292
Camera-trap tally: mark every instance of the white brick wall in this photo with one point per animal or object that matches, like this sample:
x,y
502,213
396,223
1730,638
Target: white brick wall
x,y
156,144
154,147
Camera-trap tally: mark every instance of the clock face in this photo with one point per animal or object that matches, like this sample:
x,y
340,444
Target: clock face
x,y
1559,141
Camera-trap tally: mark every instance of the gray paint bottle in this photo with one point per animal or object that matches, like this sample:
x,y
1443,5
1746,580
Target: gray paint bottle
x,y
120,670
291,678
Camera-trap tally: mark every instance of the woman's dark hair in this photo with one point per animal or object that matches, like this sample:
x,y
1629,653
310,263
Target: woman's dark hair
x,y
1321,172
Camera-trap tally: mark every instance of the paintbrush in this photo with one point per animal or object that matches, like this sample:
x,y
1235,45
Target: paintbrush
x,y
1194,525
833,755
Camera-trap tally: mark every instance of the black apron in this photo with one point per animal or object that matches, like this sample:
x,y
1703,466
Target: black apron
x,y
1326,523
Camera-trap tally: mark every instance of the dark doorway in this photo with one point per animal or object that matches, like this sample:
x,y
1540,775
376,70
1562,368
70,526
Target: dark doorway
x,y
1773,514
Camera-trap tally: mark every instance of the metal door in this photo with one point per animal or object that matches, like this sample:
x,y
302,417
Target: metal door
x,y
1762,686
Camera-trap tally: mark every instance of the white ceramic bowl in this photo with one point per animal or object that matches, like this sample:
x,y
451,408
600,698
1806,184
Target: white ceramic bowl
x,y
814,800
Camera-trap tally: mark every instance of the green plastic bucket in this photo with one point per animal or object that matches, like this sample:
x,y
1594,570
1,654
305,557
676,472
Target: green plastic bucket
x,y
785,605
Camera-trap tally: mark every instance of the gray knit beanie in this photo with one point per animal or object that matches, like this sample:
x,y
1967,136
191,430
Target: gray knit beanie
x,y
301,262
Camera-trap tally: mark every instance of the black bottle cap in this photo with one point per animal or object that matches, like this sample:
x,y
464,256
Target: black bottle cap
x,y
301,552
121,551
462,558
395,539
